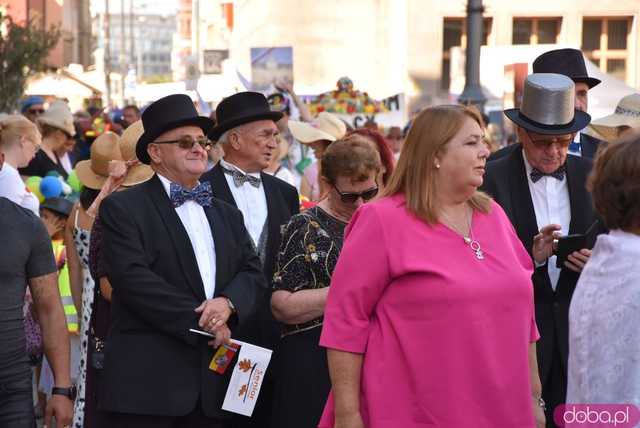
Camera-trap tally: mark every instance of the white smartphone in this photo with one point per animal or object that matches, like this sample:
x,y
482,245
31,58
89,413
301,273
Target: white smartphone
x,y
202,333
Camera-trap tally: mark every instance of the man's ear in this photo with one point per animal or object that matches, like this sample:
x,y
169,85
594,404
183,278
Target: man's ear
x,y
234,140
154,153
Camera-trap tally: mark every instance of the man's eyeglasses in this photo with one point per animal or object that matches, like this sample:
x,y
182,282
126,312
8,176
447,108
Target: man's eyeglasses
x,y
562,142
351,198
187,142
35,111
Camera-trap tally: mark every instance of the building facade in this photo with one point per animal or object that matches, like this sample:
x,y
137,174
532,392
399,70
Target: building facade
x,y
71,16
392,46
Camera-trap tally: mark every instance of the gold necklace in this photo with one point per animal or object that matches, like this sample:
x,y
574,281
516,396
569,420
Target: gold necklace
x,y
469,240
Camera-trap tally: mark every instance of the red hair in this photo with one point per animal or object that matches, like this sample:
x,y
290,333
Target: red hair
x,y
386,156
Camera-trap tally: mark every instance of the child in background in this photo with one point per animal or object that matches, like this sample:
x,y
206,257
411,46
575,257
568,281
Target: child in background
x,y
54,213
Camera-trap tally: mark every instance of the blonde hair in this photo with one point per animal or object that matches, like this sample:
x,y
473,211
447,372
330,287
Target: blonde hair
x,y
13,127
415,173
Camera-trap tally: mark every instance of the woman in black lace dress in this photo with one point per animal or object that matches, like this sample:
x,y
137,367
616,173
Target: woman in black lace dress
x,y
311,244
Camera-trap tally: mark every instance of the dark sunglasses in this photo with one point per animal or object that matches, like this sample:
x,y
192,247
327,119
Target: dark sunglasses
x,y
187,142
35,110
351,198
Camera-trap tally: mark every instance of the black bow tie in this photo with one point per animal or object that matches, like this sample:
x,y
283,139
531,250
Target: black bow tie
x,y
558,174
239,178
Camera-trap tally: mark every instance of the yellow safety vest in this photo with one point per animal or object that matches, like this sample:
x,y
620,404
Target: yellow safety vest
x,y
64,286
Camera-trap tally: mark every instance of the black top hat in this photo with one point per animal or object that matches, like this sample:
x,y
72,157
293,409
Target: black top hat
x,y
548,106
60,206
241,108
569,62
165,114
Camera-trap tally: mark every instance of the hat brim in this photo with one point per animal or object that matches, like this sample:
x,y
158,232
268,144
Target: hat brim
x,y
137,174
614,120
87,177
590,81
223,127
579,122
46,121
150,135
306,133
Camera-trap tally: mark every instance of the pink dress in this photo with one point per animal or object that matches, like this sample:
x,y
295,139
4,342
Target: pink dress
x,y
445,336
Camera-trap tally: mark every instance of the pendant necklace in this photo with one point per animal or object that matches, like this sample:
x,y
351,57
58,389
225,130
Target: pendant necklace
x,y
469,240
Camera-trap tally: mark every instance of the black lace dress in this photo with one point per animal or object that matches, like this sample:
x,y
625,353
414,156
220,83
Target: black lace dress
x,y
311,244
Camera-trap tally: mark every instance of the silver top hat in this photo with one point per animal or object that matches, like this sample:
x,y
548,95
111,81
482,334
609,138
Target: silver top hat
x,y
548,105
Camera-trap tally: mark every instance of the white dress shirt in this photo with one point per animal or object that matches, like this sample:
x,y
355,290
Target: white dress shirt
x,y
13,188
577,139
197,225
251,201
551,204
604,339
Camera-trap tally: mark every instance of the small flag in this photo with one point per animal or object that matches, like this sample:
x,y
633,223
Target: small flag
x,y
246,379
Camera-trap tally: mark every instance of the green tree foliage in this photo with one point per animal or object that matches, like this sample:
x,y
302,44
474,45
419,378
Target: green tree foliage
x,y
23,50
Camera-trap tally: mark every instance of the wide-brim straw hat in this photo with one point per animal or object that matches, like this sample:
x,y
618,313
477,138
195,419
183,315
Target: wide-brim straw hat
x,y
627,113
93,173
326,127
548,106
58,116
139,173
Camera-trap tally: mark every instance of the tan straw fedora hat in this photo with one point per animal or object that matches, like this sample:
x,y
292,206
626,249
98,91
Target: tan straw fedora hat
x,y
93,172
627,113
139,173
59,116
326,127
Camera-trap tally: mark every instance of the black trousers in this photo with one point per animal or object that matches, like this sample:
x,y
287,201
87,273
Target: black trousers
x,y
16,402
195,419
554,390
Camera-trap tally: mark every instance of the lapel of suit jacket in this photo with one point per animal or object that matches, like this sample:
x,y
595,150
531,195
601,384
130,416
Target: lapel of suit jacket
x,y
579,201
588,146
220,186
218,230
525,215
178,234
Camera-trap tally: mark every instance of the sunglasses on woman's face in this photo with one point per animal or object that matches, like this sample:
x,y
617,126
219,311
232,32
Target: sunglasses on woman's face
x,y
351,198
186,142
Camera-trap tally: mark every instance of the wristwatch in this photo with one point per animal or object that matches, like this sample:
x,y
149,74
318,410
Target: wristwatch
x,y
70,392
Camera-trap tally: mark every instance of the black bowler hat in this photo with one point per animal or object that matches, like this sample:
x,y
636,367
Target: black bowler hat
x,y
569,62
168,113
60,206
548,106
241,108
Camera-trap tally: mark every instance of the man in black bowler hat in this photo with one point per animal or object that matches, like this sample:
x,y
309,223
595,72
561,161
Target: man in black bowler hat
x,y
542,190
247,130
177,259
569,62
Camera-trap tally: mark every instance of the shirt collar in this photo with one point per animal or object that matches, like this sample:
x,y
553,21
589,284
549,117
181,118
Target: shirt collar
x,y
229,165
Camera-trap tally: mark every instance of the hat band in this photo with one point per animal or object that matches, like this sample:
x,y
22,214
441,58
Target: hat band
x,y
545,126
627,112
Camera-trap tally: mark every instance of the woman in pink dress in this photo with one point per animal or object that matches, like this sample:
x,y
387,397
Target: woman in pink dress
x,y
429,320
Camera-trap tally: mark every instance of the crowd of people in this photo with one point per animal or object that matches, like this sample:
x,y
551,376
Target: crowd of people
x,y
406,277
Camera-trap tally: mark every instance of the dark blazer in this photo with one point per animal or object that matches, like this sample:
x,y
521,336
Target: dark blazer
x,y
282,203
589,145
506,181
153,365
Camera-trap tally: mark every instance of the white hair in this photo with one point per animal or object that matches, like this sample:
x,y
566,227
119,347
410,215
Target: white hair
x,y
224,138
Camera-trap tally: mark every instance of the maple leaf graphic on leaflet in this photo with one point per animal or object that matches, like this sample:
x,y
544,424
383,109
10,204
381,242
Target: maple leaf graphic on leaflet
x,y
242,391
245,365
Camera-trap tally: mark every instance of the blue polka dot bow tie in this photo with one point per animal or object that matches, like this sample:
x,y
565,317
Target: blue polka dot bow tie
x,y
239,178
201,194
558,174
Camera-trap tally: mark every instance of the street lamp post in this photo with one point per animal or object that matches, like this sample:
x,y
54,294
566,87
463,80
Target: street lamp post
x,y
472,93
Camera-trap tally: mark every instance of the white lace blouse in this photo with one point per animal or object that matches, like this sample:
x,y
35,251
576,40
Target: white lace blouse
x,y
604,324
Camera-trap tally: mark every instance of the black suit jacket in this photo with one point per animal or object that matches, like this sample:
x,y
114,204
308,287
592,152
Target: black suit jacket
x,y
589,145
506,181
282,203
153,365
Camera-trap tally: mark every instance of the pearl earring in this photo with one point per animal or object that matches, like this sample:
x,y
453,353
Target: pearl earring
x,y
437,166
